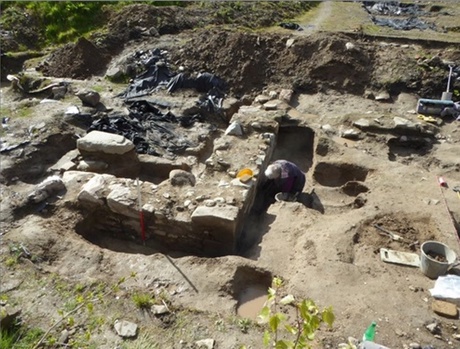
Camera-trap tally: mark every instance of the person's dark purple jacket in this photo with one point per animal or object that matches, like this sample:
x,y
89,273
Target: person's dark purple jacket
x,y
292,179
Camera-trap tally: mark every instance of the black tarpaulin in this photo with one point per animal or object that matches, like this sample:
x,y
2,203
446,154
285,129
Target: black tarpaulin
x,y
392,8
291,26
404,23
156,74
152,131
407,15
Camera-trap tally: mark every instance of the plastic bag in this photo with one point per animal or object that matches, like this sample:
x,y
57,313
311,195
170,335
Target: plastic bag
x,y
447,287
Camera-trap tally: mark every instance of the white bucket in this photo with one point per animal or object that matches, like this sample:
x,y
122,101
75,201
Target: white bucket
x,y
431,267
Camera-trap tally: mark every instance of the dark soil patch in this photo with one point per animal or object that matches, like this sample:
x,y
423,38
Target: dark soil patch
x,y
77,61
412,230
250,62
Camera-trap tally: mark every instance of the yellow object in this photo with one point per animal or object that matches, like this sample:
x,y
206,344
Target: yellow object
x,y
427,118
245,175
245,172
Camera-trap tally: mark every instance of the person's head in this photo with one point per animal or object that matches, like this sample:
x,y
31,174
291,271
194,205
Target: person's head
x,y
273,171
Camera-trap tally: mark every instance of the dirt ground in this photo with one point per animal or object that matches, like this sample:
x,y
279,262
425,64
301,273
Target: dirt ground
x,y
329,252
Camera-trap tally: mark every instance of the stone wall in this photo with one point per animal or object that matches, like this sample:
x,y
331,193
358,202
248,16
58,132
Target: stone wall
x,y
195,207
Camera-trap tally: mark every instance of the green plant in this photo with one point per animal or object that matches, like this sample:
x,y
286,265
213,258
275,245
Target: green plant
x,y
84,299
19,337
220,325
11,261
244,324
143,300
300,328
16,252
144,341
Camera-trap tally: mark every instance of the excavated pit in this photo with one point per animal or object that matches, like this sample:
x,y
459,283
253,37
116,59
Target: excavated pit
x,y
295,144
175,229
36,159
338,174
249,287
354,188
406,147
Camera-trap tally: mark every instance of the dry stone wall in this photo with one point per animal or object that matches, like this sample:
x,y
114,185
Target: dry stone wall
x,y
191,206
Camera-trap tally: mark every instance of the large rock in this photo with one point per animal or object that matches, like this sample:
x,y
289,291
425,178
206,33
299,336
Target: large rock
x,y
405,123
286,95
207,343
125,329
108,153
92,192
92,166
50,186
121,200
181,177
154,166
103,142
67,162
72,178
89,97
222,220
235,129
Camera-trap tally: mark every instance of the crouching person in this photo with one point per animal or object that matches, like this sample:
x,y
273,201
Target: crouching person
x,y
286,178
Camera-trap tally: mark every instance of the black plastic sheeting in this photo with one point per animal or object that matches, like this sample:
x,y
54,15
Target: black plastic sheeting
x,y
291,26
404,23
152,131
382,13
157,74
392,8
203,82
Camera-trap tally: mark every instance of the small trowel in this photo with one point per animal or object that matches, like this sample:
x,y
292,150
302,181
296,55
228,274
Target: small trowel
x,y
388,233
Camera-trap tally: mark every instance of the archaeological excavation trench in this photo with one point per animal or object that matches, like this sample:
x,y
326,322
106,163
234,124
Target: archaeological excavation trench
x,y
201,209
202,224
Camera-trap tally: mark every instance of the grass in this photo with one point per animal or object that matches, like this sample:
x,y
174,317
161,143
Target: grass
x,y
98,88
244,324
143,300
350,17
15,254
23,52
18,337
346,17
144,341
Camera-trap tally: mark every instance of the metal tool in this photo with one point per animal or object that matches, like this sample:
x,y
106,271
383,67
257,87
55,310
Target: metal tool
x,y
388,233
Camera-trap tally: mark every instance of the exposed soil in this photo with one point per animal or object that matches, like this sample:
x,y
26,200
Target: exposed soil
x,y
325,248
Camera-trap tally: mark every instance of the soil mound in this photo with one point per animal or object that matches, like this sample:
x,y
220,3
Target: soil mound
x,y
78,61
250,62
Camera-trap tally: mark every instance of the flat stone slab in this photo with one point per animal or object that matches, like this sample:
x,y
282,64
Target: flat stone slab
x,y
445,309
103,142
223,217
